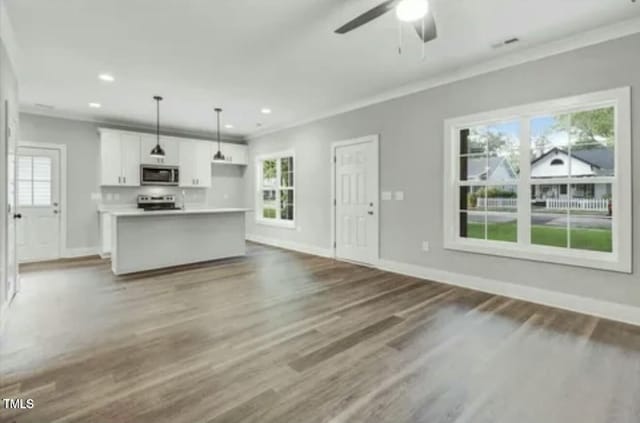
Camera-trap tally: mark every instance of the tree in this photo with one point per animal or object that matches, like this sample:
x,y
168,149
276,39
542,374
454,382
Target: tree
x,y
588,129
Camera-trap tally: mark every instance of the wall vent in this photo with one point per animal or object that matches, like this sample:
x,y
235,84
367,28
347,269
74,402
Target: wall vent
x,y
44,106
506,42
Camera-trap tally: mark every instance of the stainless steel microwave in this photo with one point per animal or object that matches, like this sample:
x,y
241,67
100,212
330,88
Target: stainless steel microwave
x,y
159,175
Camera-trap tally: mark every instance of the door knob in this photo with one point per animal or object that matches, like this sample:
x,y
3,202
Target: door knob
x,y
17,216
370,212
55,212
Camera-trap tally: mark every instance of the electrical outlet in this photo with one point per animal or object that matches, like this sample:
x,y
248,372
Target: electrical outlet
x,y
425,246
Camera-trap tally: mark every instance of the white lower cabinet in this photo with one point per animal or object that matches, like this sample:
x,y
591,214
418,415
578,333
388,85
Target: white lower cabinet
x,y
105,234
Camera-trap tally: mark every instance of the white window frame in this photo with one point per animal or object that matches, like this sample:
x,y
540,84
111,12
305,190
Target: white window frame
x,y
277,221
617,260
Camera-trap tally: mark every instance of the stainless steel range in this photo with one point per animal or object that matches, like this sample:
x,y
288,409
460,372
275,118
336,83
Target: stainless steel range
x,y
157,202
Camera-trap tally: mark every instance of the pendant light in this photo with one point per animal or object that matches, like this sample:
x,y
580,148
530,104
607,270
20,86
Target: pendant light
x,y
218,155
157,151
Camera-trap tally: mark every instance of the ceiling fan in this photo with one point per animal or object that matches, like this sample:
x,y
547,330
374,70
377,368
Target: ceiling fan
x,y
411,11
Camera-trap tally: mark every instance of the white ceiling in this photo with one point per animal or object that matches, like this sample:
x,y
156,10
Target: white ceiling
x,y
243,55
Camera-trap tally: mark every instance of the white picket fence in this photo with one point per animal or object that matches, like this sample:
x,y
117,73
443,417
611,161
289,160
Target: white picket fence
x,y
590,204
593,204
497,202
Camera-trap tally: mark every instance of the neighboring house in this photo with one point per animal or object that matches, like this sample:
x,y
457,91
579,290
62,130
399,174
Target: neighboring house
x,y
583,164
498,169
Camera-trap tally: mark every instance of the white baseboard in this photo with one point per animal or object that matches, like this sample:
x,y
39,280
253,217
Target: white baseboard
x,y
604,309
289,245
81,252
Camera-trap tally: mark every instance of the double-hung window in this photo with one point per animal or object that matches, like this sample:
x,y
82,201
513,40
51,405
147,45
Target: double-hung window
x,y
275,197
549,181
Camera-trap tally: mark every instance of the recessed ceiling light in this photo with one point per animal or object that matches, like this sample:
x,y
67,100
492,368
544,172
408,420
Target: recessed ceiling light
x,y
95,105
228,126
266,111
106,77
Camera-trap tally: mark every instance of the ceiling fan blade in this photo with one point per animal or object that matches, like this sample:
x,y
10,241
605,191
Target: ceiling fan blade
x,y
367,16
430,31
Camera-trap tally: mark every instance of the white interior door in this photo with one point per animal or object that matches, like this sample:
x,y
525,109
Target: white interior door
x,y
13,279
356,201
38,189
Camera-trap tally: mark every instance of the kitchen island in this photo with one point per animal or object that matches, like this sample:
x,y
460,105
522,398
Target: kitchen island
x,y
147,240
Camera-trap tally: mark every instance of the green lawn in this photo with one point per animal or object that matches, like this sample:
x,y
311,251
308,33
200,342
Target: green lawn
x,y
582,239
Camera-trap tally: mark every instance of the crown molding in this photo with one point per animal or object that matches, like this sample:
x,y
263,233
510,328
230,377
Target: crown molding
x,y
514,58
127,125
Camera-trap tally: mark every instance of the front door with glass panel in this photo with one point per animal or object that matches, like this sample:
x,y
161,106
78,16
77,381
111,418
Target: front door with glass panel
x,y
38,188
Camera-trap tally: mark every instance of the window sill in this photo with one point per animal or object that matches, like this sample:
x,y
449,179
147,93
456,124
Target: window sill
x,y
579,258
288,224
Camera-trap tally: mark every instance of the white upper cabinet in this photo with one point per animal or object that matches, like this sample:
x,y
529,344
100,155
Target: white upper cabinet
x,y
122,153
119,159
195,164
236,154
110,168
170,146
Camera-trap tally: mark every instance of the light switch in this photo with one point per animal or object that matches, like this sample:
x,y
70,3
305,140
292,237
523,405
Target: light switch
x,y
425,246
399,195
386,195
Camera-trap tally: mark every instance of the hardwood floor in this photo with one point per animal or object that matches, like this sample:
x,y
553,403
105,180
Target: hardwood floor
x,y
285,337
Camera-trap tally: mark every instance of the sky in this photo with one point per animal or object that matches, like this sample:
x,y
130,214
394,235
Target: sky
x,y
539,126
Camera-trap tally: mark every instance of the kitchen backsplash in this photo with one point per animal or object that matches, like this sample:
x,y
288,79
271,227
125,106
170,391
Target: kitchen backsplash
x,y
227,190
129,195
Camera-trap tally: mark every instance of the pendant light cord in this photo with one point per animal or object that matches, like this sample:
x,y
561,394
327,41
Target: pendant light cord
x,y
218,115
157,121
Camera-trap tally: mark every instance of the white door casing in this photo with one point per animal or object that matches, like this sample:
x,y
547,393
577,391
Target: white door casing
x,y
38,202
356,206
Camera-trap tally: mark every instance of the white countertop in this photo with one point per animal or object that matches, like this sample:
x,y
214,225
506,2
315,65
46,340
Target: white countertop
x,y
188,211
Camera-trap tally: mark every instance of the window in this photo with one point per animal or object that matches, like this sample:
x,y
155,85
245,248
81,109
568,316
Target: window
x,y
34,180
276,189
548,181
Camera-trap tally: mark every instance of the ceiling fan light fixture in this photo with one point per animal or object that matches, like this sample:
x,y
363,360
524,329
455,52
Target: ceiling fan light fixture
x,y
412,10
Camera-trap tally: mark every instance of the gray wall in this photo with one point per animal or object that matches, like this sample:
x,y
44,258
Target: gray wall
x,y
411,151
82,141
82,144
